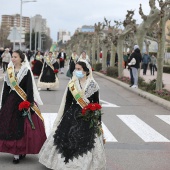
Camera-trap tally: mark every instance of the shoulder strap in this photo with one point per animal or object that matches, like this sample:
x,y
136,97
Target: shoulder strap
x,y
49,63
20,91
76,94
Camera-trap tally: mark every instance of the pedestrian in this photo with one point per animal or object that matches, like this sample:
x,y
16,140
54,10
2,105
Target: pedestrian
x,y
48,78
145,61
55,55
152,64
6,58
134,63
100,56
1,52
72,143
62,58
21,124
37,64
29,54
130,69
72,63
125,58
108,58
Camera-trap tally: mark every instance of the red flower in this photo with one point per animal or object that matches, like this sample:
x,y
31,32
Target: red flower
x,y
84,110
92,107
33,62
55,71
24,105
93,69
61,59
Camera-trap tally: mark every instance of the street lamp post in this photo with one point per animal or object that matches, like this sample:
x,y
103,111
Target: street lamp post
x,y
22,1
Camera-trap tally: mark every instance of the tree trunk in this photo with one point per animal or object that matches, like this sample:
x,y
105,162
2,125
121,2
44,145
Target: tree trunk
x,y
113,53
93,53
98,49
161,50
104,54
120,56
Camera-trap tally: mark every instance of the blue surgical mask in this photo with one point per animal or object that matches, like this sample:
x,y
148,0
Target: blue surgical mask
x,y
79,74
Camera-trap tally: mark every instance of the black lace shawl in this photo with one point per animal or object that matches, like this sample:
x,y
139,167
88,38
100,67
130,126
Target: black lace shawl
x,y
48,74
73,137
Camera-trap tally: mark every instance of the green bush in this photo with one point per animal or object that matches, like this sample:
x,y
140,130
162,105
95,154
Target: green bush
x,y
149,87
97,67
112,72
166,69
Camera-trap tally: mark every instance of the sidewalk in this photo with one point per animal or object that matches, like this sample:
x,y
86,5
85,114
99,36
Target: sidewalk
x,y
162,102
148,77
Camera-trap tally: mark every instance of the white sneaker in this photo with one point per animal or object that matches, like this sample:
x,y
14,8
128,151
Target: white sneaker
x,y
134,86
39,89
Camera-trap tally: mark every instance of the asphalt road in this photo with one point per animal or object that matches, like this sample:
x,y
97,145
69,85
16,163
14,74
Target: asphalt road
x,y
142,138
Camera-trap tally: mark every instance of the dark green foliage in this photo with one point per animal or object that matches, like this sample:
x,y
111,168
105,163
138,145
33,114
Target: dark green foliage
x,y
166,69
112,72
97,67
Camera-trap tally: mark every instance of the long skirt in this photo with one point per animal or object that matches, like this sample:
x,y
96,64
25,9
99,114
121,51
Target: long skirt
x,y
37,67
16,136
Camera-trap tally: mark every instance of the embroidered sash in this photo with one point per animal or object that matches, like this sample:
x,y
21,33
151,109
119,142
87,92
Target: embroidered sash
x,y
76,94
21,92
49,63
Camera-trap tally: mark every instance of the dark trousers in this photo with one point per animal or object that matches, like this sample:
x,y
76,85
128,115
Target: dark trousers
x,y
5,65
152,68
126,63
145,66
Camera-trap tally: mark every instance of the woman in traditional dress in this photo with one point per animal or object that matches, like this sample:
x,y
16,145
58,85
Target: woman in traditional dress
x,y
37,64
72,63
72,144
48,78
84,56
17,135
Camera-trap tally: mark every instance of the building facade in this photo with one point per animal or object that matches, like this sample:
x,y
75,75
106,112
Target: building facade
x,y
63,36
10,21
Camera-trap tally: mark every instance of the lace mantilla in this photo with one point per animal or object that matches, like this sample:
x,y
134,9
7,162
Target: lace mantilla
x,y
52,60
90,88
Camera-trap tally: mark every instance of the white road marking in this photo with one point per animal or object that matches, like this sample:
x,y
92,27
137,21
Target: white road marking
x,y
143,130
108,135
107,104
165,118
49,119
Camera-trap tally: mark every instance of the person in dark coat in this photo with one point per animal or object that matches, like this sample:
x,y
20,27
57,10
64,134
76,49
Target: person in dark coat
x,y
62,58
135,60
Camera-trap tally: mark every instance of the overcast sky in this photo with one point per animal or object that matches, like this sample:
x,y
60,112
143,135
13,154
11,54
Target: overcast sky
x,y
71,14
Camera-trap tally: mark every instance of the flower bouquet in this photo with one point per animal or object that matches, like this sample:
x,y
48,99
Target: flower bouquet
x,y
56,71
92,112
61,59
24,106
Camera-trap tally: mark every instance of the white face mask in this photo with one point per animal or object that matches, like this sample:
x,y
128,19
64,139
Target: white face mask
x,y
79,74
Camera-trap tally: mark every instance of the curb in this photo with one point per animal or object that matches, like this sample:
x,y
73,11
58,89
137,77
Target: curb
x,y
161,102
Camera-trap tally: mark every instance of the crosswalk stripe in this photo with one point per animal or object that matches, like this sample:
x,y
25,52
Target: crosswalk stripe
x,y
165,118
107,104
108,135
49,119
144,131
